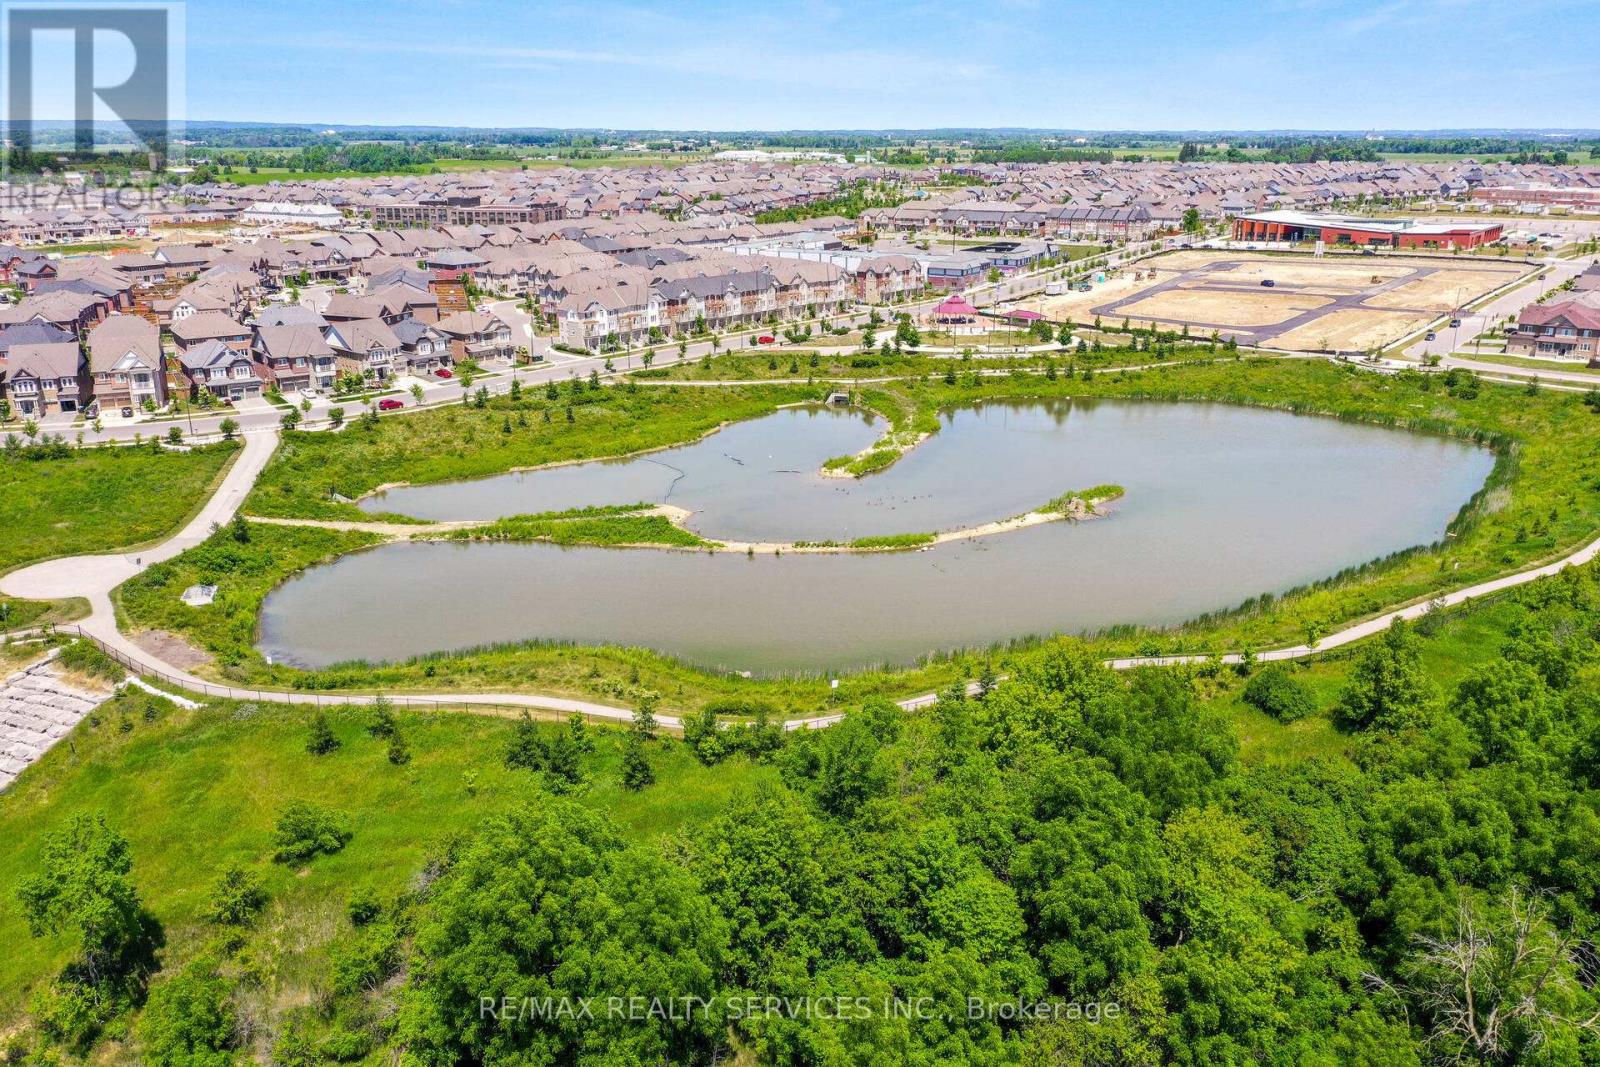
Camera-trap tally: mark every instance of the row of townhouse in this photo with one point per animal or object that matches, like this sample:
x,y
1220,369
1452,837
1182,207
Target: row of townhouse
x,y
294,349
630,305
68,226
999,219
459,210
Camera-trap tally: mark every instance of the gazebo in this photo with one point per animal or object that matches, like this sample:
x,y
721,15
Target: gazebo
x,y
955,309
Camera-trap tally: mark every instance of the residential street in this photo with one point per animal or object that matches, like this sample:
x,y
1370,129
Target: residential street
x,y
1451,339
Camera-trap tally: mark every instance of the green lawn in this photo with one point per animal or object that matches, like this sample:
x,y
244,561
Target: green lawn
x,y
1552,366
99,499
197,790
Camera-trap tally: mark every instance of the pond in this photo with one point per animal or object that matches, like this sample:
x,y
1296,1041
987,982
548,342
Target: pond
x,y
1222,503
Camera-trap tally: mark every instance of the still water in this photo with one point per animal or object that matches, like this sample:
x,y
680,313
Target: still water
x,y
1222,503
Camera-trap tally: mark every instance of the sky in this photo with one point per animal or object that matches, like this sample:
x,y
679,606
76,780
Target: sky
x,y
862,64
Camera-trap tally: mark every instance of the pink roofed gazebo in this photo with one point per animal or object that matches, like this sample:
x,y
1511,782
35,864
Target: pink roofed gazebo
x,y
955,309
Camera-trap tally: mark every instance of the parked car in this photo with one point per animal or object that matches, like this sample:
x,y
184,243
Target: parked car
x,y
389,403
444,372
127,413
1268,282
766,339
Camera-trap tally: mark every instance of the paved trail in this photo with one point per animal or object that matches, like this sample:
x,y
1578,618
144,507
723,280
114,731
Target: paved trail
x,y
94,577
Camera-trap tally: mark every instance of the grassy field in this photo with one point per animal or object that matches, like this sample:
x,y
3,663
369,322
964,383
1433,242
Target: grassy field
x,y
94,500
846,366
197,790
23,614
619,160
97,500
99,248
616,529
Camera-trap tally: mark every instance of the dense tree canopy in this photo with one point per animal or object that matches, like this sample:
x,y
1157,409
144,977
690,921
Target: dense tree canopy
x,y
1075,866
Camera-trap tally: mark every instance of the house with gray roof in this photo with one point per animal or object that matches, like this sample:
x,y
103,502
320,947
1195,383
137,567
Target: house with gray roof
x,y
225,372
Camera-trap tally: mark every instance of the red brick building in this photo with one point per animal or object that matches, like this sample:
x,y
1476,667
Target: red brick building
x,y
1295,227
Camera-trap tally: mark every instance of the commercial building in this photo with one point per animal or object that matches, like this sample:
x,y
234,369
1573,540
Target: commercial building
x,y
1295,227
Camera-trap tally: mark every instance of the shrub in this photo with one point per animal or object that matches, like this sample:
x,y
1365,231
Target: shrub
x,y
189,1021
321,741
86,658
1276,692
363,907
361,965
236,898
306,831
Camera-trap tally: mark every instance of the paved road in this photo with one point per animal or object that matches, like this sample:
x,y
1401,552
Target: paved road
x,y
1450,339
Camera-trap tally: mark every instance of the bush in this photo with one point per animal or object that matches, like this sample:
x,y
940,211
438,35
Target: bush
x,y
363,907
1276,692
86,658
306,831
236,898
364,963
189,1021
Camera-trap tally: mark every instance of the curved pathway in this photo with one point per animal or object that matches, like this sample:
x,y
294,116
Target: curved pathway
x,y
94,577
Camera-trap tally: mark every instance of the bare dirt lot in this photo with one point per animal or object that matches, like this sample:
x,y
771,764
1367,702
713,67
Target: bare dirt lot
x,y
1345,275
1076,306
1443,290
1349,331
1239,308
1336,302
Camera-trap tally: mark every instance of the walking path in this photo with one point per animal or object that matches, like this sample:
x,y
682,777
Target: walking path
x,y
94,577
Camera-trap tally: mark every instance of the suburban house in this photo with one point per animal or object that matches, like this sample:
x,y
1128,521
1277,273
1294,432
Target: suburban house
x,y
214,367
1568,329
451,264
423,348
45,379
126,363
367,347
477,335
295,358
206,326
290,315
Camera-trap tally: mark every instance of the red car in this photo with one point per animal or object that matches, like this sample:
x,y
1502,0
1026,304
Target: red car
x,y
766,339
443,373
389,404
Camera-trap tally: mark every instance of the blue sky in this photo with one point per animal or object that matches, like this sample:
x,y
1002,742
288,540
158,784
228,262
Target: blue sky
x,y
1200,64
